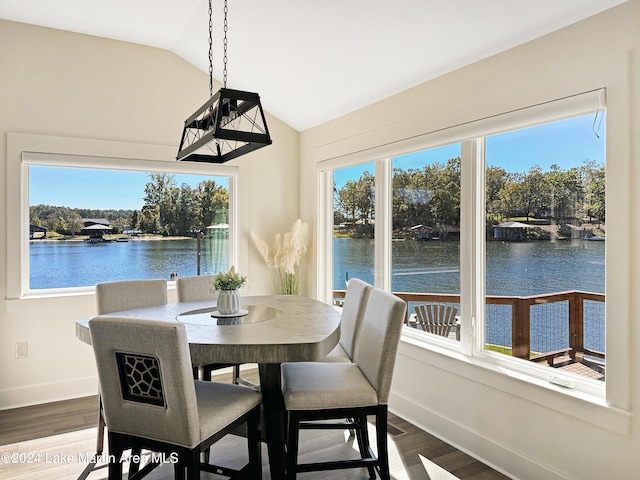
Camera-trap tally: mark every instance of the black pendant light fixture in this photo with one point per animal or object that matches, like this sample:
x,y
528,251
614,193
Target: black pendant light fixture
x,y
230,124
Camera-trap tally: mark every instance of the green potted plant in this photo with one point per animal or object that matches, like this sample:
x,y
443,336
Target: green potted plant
x,y
228,284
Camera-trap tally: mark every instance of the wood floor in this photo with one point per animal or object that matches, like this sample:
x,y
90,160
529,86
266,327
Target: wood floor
x,y
60,431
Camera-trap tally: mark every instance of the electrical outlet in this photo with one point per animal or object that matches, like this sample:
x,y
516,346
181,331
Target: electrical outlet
x,y
22,349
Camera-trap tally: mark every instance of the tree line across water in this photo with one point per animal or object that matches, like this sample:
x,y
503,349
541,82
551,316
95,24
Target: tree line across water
x,y
430,196
168,209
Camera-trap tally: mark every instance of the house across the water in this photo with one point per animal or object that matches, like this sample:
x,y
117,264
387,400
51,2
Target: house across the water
x,y
96,228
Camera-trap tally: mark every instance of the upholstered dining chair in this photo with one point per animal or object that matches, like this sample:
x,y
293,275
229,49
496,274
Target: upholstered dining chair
x,y
152,402
127,294
332,391
194,289
116,297
355,302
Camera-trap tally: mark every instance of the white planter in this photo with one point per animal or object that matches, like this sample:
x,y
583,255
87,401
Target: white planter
x,y
228,302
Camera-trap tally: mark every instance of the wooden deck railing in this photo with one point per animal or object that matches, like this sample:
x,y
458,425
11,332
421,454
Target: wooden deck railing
x,y
521,318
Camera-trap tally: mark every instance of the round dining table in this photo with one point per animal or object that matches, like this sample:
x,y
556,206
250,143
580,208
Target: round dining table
x,y
268,330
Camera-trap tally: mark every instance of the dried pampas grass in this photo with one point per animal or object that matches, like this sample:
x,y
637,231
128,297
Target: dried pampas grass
x,y
284,256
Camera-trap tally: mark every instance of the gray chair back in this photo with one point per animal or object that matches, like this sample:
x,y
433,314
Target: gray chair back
x,y
355,303
378,339
146,381
127,294
196,288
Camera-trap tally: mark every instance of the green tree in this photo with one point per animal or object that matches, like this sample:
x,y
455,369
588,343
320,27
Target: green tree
x,y
495,180
365,198
186,210
444,204
149,222
593,178
356,203
75,224
411,197
512,196
401,216
566,191
213,200
133,221
533,192
157,198
347,200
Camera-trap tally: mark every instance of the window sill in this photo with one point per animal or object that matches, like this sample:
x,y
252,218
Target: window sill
x,y
32,301
587,407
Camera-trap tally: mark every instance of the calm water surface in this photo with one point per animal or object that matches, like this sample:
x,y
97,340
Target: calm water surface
x,y
75,264
511,269
431,267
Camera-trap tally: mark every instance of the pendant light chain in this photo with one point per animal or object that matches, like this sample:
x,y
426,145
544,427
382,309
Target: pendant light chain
x,y
224,60
230,124
210,52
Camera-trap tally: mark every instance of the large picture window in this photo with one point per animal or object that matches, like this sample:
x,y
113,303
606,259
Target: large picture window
x,y
501,235
91,225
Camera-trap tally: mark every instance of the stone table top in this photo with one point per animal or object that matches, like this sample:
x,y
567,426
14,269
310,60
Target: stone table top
x,y
275,329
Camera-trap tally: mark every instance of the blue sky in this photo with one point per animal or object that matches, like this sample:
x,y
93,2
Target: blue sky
x,y
567,143
96,188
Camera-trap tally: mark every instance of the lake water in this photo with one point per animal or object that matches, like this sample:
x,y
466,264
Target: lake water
x,y
517,269
512,268
431,267
75,264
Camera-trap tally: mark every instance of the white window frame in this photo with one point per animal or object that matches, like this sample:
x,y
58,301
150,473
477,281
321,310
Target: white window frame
x,y
501,370
28,150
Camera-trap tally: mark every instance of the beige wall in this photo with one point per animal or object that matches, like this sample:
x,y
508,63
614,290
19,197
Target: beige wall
x,y
530,432
70,93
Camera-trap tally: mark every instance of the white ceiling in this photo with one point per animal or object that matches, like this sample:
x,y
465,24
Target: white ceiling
x,y
312,61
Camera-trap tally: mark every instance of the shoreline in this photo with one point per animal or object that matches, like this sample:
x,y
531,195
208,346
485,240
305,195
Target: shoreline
x,y
154,238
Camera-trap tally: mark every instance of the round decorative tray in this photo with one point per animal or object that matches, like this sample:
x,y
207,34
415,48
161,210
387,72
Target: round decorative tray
x,y
211,316
240,313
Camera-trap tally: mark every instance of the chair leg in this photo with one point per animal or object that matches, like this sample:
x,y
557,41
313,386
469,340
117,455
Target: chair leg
x,y
206,455
178,470
362,434
115,458
99,442
292,445
254,444
235,375
352,432
136,458
381,437
193,465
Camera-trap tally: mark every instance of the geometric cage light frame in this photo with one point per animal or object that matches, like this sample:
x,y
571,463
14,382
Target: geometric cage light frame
x,y
231,123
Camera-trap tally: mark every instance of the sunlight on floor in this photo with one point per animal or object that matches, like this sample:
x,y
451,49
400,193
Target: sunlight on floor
x,y
64,457
398,470
435,472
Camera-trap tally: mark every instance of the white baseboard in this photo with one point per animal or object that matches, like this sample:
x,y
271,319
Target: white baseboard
x,y
48,392
76,388
501,458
